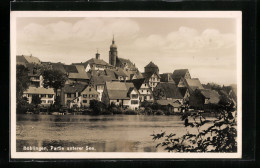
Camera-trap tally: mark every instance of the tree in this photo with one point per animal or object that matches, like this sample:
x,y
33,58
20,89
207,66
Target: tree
x,y
54,79
36,100
218,136
22,81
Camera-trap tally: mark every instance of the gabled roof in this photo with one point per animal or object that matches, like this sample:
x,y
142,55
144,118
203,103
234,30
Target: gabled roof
x,y
100,80
97,61
70,68
125,61
183,90
39,90
80,74
170,90
21,60
193,84
119,90
32,59
138,82
110,73
212,95
147,75
59,67
178,73
151,65
166,77
120,72
73,88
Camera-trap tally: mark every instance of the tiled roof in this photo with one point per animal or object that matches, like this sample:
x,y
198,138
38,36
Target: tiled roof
x,y
127,62
138,82
151,64
119,90
81,74
21,60
147,75
183,90
59,67
166,77
170,90
32,59
120,72
100,80
212,95
70,68
110,73
193,84
39,90
97,61
73,88
178,73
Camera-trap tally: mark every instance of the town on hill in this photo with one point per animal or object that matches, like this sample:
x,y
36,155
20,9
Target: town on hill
x,y
98,87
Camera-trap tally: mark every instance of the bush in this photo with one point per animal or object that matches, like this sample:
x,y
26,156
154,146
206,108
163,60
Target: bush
x,y
148,111
159,112
130,112
219,135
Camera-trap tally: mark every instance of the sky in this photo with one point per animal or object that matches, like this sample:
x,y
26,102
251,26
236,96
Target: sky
x,y
205,46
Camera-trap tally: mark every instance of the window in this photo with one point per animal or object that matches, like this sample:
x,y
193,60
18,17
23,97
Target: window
x,y
142,91
144,84
43,101
68,95
117,100
43,95
134,96
85,101
85,95
50,101
29,95
134,101
50,95
90,89
90,95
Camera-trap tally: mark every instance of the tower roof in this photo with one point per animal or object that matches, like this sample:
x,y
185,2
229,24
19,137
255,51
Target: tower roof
x,y
113,43
151,64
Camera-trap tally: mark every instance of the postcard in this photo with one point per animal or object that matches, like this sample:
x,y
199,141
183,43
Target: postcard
x,y
126,84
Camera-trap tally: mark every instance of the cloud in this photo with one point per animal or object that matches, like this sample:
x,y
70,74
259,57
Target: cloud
x,y
188,40
88,29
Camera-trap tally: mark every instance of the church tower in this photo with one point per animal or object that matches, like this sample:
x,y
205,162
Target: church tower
x,y
113,53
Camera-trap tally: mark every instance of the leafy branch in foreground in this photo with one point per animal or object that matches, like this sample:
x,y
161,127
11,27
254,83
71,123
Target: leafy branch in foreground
x,y
218,135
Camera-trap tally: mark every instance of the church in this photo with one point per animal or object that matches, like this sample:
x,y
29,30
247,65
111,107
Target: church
x,y
115,61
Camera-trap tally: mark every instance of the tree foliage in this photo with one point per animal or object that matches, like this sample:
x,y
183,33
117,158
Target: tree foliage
x,y
54,79
22,81
218,135
36,100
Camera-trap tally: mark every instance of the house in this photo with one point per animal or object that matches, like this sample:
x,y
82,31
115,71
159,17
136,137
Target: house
x,y
36,79
88,94
167,91
185,93
76,73
70,92
166,77
171,106
201,98
193,84
151,68
179,75
95,64
120,74
143,87
25,60
98,82
122,94
46,95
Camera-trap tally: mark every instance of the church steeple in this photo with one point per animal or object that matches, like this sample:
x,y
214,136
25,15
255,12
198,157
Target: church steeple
x,y
113,53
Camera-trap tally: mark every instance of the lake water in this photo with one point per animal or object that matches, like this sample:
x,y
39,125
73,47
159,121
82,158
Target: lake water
x,y
104,133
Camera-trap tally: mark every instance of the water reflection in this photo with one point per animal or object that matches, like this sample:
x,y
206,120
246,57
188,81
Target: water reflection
x,y
117,133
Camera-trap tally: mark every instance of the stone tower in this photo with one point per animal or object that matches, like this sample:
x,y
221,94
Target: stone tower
x,y
113,53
